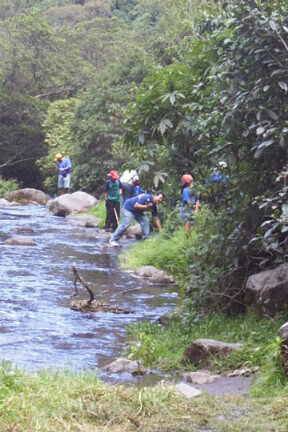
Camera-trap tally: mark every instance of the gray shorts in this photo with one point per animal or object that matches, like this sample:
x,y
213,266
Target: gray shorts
x,y
64,182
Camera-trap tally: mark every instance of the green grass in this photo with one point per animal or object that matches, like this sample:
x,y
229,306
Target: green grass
x,y
163,347
50,402
162,252
7,186
100,212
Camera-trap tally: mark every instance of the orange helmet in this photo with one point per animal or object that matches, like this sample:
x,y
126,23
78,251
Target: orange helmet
x,y
113,174
186,179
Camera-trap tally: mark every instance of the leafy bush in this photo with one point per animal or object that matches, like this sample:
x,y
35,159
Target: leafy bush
x,y
7,186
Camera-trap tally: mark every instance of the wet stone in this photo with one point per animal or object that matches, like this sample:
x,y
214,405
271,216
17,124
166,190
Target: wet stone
x,y
200,377
20,241
154,275
122,365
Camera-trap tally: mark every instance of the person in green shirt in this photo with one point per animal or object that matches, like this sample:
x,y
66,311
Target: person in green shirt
x,y
113,196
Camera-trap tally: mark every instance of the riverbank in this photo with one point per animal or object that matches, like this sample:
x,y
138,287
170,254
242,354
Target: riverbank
x,y
50,402
162,345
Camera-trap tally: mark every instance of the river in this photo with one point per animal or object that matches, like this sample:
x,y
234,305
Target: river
x,y
38,330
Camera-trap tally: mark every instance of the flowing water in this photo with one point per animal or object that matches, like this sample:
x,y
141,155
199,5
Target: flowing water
x,y
38,330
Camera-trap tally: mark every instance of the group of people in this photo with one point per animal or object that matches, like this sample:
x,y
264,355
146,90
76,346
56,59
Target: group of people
x,y
136,202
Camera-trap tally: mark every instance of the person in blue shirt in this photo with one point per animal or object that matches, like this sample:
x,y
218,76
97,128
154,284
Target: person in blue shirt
x,y
218,176
134,209
190,201
64,169
217,184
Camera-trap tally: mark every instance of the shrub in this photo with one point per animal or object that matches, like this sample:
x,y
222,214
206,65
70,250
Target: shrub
x,y
7,186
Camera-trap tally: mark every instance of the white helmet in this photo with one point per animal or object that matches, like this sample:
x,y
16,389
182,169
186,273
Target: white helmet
x,y
222,164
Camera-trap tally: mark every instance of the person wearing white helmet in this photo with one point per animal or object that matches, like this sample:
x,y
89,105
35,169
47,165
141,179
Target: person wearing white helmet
x,y
218,175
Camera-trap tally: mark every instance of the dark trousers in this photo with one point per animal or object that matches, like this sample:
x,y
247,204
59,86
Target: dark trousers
x,y
112,209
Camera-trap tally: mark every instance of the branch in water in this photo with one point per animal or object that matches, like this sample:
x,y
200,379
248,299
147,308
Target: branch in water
x,y
79,278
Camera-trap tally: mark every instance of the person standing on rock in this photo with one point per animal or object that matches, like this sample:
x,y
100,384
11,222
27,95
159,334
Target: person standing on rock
x,y
134,209
190,202
64,168
113,197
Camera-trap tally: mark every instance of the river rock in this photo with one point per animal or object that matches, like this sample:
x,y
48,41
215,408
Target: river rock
x,y
76,202
201,349
267,291
153,274
24,230
20,241
200,377
4,203
122,365
133,231
28,196
82,220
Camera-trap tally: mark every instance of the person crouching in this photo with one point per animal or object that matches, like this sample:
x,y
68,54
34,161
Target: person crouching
x,y
134,209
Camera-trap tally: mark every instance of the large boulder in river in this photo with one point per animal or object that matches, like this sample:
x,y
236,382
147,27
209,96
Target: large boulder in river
x,y
76,202
154,275
267,291
27,196
201,349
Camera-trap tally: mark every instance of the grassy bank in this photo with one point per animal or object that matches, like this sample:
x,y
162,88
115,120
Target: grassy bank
x,y
163,347
64,402
100,212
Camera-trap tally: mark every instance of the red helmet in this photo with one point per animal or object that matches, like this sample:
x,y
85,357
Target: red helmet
x,y
186,179
113,174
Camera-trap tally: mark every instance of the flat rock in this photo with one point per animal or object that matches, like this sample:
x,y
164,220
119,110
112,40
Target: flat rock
x,y
187,390
201,349
82,220
20,241
122,365
153,274
200,377
267,291
28,196
67,204
24,230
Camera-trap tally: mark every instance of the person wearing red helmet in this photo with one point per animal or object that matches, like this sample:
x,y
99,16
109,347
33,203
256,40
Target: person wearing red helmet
x,y
112,195
190,202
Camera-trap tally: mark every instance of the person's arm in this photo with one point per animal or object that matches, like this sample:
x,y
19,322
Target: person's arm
x,y
143,207
197,203
157,223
